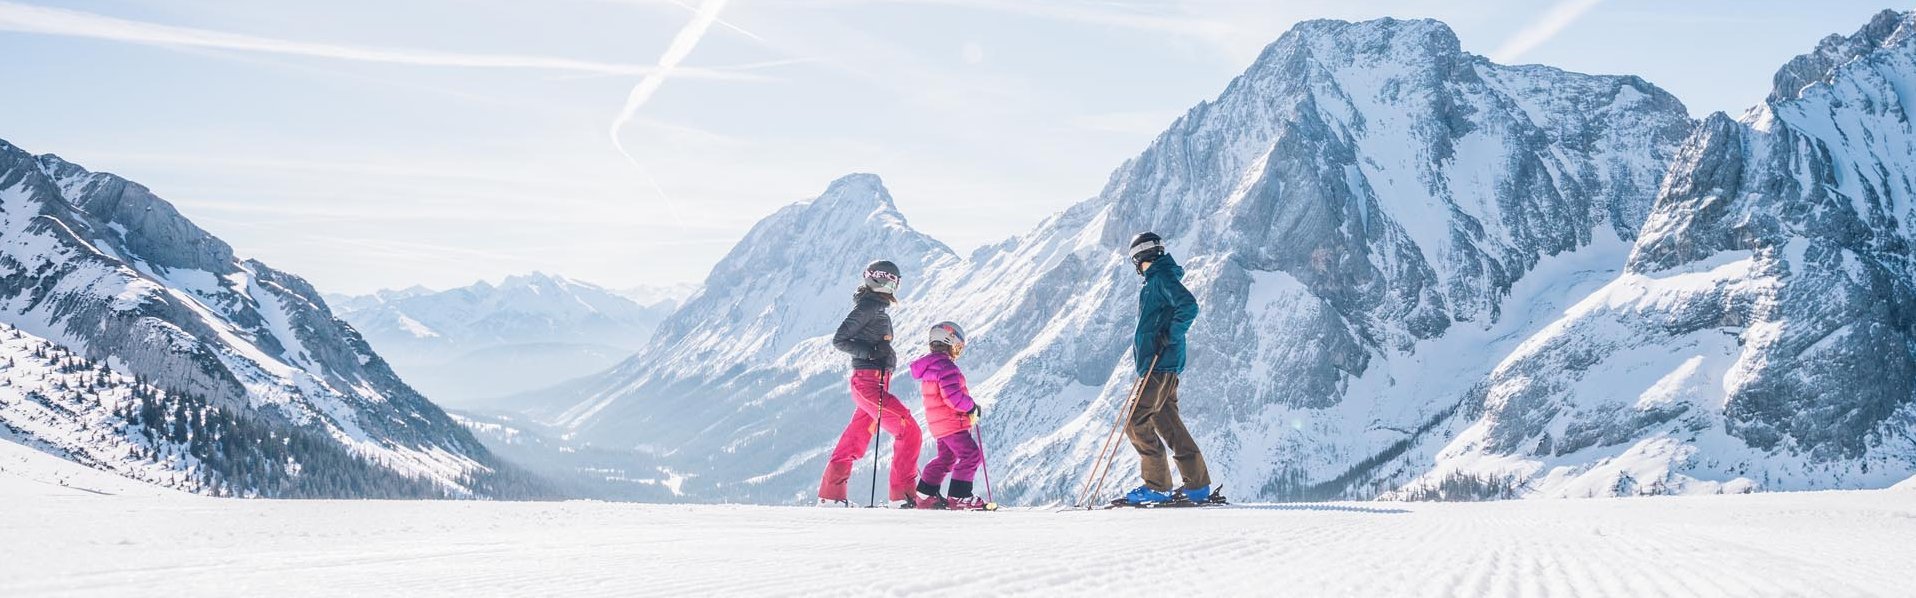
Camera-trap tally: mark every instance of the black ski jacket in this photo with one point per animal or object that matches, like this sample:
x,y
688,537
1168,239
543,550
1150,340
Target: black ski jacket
x,y
865,333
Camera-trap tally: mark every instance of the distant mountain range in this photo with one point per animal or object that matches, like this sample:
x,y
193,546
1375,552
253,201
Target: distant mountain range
x,y
467,346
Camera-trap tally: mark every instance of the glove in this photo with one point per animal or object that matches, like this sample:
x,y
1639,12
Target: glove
x,y
973,415
1163,341
883,353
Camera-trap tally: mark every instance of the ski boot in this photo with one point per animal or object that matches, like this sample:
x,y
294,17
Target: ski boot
x,y
1196,495
969,503
1143,496
929,498
836,504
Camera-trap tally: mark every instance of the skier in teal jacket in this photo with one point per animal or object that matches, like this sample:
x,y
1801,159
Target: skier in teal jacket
x,y
1166,311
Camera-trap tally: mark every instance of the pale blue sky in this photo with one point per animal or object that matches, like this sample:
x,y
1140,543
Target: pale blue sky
x,y
381,144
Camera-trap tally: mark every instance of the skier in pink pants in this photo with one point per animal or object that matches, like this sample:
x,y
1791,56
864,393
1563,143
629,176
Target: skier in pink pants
x,y
866,335
951,413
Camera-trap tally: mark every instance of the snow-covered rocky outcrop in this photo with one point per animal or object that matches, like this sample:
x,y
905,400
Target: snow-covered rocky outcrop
x,y
99,266
465,346
1763,335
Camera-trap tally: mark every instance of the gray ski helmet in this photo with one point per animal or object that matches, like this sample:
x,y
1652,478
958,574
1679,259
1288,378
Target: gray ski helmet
x,y
949,333
882,277
1146,247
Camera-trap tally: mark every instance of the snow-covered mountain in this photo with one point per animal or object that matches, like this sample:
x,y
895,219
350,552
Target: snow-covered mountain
x,y
250,385
744,365
1763,334
1424,275
465,346
658,294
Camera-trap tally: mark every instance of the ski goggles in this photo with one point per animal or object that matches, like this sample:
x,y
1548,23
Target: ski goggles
x,y
1146,251
881,281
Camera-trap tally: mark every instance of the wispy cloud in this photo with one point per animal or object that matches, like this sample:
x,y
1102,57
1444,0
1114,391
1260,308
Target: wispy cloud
x,y
1150,16
1553,22
55,21
1135,123
682,45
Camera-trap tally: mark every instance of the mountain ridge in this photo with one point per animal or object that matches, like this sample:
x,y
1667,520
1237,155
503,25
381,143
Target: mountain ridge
x,y
99,265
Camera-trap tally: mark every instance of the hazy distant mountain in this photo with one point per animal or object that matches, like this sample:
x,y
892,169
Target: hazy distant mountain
x,y
658,294
466,345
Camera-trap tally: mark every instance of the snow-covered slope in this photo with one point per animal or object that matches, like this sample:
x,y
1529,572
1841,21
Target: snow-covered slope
x,y
1361,213
485,341
1763,335
62,541
25,471
101,267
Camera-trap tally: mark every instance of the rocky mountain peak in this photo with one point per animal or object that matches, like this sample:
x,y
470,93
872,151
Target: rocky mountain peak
x,y
1887,28
855,199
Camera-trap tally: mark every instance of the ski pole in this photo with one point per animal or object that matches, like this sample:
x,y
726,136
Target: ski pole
x,y
984,458
1108,454
1104,450
1112,460
878,433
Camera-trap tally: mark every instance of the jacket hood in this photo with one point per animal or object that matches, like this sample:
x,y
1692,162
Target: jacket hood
x,y
926,363
1165,265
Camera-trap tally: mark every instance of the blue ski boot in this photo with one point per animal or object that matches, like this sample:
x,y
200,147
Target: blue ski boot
x,y
1196,495
1144,495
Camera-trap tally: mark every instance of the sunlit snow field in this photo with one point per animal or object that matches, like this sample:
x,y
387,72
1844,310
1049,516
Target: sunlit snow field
x,y
71,531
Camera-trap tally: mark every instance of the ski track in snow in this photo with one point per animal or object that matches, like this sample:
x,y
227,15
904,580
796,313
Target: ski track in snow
x,y
64,540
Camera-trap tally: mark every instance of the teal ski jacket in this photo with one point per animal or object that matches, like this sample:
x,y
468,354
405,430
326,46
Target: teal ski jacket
x,y
1165,312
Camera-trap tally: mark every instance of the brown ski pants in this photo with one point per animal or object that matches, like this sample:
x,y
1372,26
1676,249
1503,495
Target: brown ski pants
x,y
1155,422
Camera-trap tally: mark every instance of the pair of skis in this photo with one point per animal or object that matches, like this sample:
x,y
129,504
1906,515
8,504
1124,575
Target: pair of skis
x,y
1215,500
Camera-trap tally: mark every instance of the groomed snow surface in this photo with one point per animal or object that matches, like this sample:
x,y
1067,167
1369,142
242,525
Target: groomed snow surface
x,y
69,531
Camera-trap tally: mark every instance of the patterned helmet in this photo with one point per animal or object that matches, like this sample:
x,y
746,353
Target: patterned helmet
x,y
950,334
882,277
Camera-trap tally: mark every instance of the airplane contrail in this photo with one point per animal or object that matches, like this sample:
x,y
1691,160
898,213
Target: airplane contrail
x,y
1553,22
28,18
675,53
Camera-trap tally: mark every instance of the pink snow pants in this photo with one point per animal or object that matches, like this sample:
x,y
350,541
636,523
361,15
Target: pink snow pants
x,y
869,392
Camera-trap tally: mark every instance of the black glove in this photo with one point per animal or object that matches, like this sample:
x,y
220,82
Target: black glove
x,y
883,353
1163,340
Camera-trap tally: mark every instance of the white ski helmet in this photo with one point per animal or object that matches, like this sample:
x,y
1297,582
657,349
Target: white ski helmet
x,y
950,334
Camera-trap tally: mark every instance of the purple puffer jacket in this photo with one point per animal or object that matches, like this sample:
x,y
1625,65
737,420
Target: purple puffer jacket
x,y
947,399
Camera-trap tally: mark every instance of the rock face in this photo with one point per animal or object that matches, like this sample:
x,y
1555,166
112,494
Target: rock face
x,y
1761,336
98,265
467,347
1370,215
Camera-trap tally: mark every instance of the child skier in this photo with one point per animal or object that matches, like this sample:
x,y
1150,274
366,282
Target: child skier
x,y
951,414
